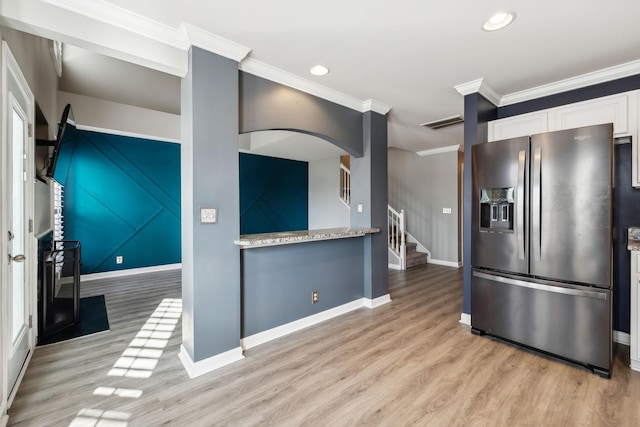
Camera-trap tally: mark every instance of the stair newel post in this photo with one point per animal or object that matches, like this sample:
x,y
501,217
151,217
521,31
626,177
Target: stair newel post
x,y
403,246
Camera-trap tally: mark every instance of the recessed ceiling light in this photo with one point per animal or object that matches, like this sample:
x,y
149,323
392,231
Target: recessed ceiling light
x,y
319,70
499,20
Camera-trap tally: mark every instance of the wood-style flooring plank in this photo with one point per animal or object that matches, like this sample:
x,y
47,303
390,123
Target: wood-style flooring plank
x,y
409,362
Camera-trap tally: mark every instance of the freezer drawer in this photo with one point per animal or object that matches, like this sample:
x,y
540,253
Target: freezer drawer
x,y
570,322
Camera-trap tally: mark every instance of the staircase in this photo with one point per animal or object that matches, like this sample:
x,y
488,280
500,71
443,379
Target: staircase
x,y
404,250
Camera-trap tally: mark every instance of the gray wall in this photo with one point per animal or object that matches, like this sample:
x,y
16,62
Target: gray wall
x,y
209,161
369,187
267,105
325,208
277,281
422,186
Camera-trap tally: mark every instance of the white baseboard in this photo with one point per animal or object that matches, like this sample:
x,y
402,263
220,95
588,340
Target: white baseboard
x,y
129,272
621,338
297,325
445,263
465,319
377,302
195,369
394,267
635,365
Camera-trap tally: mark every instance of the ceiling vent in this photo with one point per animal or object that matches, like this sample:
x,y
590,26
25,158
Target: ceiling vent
x,y
444,123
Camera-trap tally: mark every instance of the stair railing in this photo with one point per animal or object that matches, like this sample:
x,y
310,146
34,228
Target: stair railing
x,y
396,222
345,184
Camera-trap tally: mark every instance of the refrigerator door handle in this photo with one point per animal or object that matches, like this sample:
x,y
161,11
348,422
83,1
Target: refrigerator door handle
x,y
536,206
520,204
539,286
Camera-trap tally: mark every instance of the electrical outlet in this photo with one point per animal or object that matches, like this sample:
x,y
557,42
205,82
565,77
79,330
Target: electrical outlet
x,y
119,259
446,210
314,297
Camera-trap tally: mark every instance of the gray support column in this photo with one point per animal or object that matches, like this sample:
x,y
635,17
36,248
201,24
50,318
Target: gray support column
x,y
369,187
210,260
477,113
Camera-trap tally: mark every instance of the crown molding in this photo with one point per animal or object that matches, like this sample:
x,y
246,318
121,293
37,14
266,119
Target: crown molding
x,y
478,86
196,36
439,150
269,72
375,106
117,16
184,37
600,76
188,35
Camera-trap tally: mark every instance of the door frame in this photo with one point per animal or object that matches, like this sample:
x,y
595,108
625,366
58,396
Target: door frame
x,y
9,66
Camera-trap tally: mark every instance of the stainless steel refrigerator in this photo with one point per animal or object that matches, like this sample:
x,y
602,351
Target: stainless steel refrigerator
x,y
541,243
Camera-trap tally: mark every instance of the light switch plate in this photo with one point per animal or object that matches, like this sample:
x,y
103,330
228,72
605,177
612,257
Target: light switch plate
x,y
446,210
360,208
208,215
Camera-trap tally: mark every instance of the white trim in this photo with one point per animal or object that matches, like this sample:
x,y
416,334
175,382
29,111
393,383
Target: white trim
x,y
277,75
297,325
588,79
635,365
465,319
377,302
196,36
288,328
438,150
117,16
129,134
394,267
445,263
195,369
480,86
20,377
375,106
583,80
4,419
129,272
621,337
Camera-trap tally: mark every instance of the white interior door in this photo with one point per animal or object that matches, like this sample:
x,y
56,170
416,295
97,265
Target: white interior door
x,y
17,202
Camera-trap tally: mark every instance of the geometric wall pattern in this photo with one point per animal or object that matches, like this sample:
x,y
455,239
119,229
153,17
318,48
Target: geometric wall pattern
x,y
273,194
122,198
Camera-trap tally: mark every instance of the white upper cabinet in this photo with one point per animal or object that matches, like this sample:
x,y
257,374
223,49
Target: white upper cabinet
x,y
610,109
516,126
623,110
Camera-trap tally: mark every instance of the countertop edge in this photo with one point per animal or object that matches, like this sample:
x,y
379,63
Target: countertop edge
x,y
289,237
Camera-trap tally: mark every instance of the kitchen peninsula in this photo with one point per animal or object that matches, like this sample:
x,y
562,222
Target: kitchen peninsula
x,y
281,272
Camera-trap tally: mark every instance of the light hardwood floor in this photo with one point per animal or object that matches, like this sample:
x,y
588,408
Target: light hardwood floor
x,y
408,362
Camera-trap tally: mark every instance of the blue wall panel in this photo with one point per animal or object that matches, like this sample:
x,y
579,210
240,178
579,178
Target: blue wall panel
x,y
274,194
123,198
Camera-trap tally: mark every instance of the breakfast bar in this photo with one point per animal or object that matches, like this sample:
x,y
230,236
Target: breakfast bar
x,y
282,272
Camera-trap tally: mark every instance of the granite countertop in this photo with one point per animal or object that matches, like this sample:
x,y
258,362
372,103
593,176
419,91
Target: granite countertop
x,y
247,241
633,239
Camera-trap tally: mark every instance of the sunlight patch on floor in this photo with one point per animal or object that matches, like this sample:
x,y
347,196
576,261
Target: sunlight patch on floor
x,y
138,360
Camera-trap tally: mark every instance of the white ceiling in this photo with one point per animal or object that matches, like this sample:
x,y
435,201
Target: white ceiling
x,y
408,54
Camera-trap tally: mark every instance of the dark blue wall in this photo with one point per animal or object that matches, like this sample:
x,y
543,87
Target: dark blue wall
x,y
274,194
122,197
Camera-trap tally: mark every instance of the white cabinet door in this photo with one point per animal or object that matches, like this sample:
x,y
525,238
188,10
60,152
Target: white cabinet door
x,y
523,125
610,109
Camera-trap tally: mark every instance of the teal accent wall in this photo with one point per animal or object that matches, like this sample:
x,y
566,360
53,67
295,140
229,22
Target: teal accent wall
x,y
122,197
274,194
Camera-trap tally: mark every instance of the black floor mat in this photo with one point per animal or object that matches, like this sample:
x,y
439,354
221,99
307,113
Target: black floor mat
x,y
93,319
